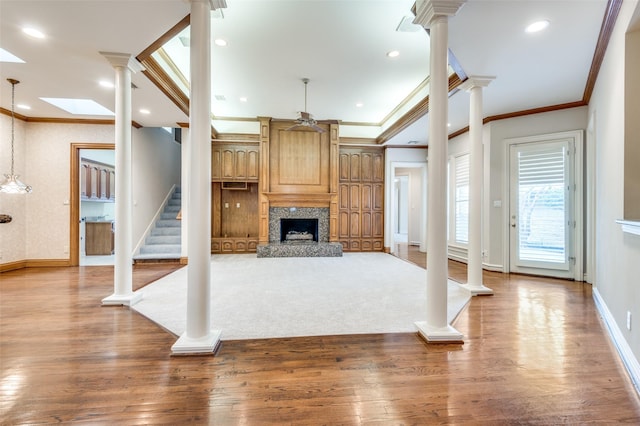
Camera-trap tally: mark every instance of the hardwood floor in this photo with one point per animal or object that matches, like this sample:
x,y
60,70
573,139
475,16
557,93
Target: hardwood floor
x,y
534,353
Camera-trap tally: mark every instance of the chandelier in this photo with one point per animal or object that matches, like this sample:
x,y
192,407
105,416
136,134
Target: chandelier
x,y
11,184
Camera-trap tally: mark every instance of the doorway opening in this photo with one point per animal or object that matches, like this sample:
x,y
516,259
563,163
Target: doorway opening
x,y
92,201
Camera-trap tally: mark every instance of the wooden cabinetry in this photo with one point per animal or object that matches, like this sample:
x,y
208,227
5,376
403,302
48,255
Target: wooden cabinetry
x,y
235,162
234,219
97,181
361,199
99,238
235,171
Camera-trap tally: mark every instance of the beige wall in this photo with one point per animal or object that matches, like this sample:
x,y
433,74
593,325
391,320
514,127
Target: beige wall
x,y
617,253
40,229
13,234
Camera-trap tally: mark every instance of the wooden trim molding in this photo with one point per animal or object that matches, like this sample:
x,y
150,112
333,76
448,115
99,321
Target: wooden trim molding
x,y
414,114
279,199
34,263
159,77
606,29
175,30
12,266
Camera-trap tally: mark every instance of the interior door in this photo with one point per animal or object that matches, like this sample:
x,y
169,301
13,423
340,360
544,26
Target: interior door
x,y
541,211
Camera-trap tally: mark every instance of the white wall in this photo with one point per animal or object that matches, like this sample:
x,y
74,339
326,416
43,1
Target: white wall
x,y
499,131
156,159
397,157
40,229
617,253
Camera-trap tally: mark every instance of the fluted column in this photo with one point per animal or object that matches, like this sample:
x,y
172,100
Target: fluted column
x,y
124,64
434,15
199,337
474,283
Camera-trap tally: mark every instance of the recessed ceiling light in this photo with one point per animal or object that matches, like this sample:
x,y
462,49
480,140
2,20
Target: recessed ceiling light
x,y
23,106
33,32
145,111
243,99
79,106
107,84
393,54
537,26
359,104
448,124
220,42
6,56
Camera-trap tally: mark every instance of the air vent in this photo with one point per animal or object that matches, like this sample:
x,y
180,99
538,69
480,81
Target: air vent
x,y
220,98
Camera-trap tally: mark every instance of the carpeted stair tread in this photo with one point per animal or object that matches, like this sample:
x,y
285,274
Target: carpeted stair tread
x,y
164,240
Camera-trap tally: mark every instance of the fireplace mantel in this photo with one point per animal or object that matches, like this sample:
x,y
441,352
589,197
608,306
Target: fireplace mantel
x,y
280,199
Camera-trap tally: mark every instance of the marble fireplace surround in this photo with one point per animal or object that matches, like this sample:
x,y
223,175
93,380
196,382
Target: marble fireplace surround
x,y
321,248
277,213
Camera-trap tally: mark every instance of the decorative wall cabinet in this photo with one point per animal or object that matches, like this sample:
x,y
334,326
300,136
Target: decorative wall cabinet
x,y
361,199
97,181
235,162
235,168
234,219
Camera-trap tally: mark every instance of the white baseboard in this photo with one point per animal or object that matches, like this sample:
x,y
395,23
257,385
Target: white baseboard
x,y
628,358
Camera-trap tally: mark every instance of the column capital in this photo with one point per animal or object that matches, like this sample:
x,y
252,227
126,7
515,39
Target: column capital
x,y
123,60
427,10
476,81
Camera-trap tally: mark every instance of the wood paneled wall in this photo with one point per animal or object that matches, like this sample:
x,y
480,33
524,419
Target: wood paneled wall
x,y
297,168
361,199
298,160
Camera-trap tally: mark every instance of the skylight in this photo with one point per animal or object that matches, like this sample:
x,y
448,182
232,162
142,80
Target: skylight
x,y
79,106
6,56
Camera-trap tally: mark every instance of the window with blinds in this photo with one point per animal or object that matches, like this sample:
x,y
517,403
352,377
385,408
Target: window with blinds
x,y
542,197
461,219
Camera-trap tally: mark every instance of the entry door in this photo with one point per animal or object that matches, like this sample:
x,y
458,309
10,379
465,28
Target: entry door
x,y
541,208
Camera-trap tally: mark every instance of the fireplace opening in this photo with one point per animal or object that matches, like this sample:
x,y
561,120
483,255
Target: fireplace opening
x,y
298,230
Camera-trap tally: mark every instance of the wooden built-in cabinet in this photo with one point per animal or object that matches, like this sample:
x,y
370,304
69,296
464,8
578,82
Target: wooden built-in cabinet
x,y
97,181
361,199
235,162
235,168
234,219
99,238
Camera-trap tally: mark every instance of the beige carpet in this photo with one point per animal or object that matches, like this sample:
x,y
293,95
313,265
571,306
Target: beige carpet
x,y
359,293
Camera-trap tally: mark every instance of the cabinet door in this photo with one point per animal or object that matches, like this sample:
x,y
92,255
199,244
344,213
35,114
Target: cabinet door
x,y
367,167
253,164
227,163
354,197
344,225
378,167
240,164
345,162
355,167
216,164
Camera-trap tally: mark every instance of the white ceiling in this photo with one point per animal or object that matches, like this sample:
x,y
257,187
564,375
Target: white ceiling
x,y
340,45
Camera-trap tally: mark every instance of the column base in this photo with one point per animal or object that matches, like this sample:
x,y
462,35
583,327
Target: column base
x,y
478,290
122,299
433,334
206,345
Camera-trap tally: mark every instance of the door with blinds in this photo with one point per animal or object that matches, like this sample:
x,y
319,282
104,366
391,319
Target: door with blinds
x,y
541,208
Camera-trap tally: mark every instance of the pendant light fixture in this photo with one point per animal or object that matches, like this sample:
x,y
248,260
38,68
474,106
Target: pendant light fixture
x,y
11,184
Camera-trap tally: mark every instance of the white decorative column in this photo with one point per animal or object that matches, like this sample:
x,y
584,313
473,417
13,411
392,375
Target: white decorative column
x,y
434,15
199,337
474,283
123,294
